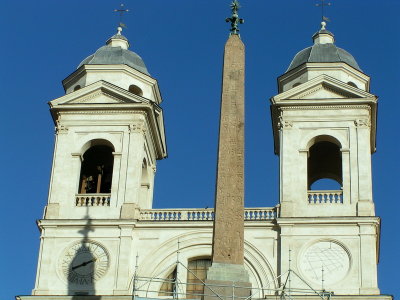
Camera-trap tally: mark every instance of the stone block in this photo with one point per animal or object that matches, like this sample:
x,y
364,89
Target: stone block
x,y
130,211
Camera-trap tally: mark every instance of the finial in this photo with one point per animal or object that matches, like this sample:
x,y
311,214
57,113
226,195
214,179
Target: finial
x,y
323,36
121,12
234,19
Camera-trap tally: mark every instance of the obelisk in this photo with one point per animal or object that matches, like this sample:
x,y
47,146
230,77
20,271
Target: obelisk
x,y
228,232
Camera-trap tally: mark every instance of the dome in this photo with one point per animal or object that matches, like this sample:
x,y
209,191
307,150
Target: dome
x,y
116,52
324,50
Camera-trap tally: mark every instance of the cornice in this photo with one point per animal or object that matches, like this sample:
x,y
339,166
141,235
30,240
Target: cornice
x,y
350,220
316,107
310,91
96,89
101,92
80,111
323,81
323,66
107,68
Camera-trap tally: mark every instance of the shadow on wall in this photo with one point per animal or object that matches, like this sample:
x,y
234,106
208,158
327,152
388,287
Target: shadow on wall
x,y
88,262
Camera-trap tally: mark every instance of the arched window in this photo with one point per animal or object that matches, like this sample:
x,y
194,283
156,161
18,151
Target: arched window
x,y
77,87
352,84
196,274
134,89
324,163
296,84
168,286
96,170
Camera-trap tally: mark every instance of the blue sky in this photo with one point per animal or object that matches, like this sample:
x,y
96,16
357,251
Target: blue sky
x,y
181,43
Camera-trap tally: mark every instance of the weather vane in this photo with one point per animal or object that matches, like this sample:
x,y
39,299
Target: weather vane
x,y
322,5
121,12
234,19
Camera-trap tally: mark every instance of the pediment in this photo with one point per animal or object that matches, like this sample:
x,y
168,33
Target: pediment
x,y
323,87
323,91
98,93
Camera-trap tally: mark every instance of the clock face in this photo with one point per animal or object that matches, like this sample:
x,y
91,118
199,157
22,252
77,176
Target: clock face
x,y
84,263
325,261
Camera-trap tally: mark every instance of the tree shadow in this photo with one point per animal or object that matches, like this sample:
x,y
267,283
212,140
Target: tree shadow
x,y
83,269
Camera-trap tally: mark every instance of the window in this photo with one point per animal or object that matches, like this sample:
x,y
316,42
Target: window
x,y
134,89
96,170
197,272
168,286
77,87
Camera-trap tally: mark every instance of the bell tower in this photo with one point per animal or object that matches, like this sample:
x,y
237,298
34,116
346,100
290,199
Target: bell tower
x,y
109,135
324,123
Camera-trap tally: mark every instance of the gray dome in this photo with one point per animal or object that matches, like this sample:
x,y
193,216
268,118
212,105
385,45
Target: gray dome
x,y
321,53
108,55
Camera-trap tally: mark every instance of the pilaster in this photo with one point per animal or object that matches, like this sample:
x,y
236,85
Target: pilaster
x,y
368,259
125,262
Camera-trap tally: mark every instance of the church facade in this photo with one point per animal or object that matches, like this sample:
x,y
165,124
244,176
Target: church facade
x,y
101,236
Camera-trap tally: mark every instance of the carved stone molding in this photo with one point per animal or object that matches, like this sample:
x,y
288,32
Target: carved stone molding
x,y
138,127
60,128
284,124
362,123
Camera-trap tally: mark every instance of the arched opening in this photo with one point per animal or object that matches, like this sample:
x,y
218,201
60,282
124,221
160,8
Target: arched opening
x,y
77,87
352,84
96,170
325,184
168,287
134,89
324,161
196,275
296,84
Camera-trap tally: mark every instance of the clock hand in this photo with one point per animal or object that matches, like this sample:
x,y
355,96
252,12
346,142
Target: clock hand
x,y
84,264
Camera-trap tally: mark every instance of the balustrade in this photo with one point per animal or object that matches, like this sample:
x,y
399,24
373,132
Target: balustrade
x,y
207,214
93,200
321,197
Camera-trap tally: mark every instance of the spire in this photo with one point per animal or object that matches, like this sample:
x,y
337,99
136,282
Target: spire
x,y
323,36
234,19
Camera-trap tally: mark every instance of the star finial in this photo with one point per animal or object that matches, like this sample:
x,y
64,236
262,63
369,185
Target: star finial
x,y
234,19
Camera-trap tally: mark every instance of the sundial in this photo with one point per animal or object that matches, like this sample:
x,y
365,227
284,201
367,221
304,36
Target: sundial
x,y
325,262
